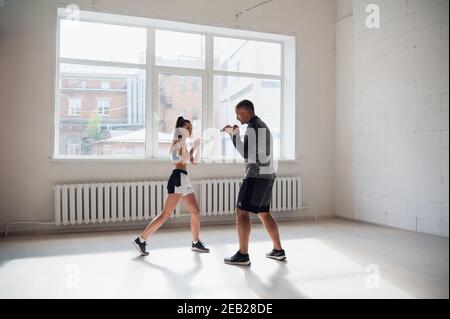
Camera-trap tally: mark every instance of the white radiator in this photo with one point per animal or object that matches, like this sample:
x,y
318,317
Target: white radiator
x,y
218,196
135,201
109,202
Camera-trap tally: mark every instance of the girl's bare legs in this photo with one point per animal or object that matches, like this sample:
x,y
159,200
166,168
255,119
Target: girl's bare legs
x,y
169,206
191,204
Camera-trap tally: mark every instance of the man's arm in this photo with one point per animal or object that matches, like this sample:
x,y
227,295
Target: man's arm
x,y
249,147
237,142
236,138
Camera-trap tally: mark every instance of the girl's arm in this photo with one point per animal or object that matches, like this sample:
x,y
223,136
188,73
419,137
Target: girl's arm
x,y
178,155
195,149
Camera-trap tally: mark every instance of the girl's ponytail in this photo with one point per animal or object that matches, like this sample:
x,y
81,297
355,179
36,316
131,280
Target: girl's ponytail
x,y
180,122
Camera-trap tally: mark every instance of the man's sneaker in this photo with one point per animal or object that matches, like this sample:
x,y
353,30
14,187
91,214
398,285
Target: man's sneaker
x,y
200,247
141,247
238,259
276,254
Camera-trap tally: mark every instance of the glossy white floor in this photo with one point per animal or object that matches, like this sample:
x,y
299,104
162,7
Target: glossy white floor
x,y
330,258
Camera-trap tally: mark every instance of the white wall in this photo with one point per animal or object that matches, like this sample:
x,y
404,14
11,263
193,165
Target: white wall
x,y
344,9
27,45
343,114
399,120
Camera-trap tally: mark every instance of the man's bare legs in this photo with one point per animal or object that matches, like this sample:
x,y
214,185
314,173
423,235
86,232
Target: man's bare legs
x,y
271,227
243,228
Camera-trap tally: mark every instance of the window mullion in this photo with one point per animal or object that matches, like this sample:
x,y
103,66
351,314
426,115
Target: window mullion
x,y
149,94
248,75
178,71
102,63
57,101
208,107
282,121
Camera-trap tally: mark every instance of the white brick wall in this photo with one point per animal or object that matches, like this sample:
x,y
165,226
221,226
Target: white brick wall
x,y
400,115
344,9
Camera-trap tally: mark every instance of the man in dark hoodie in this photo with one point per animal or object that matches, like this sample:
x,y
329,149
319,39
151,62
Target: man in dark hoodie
x,y
256,190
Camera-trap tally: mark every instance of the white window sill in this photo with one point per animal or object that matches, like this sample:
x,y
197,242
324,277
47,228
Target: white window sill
x,y
85,159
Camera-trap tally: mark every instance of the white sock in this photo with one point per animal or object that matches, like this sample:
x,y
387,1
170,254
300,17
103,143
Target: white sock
x,y
142,240
195,242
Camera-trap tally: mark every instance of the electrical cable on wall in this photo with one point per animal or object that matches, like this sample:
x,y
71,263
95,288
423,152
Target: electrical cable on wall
x,y
239,13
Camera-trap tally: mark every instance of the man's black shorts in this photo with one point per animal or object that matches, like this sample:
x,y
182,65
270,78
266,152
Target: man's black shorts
x,y
255,195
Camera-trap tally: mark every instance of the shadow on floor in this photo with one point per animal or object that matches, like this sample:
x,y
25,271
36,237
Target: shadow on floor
x,y
18,247
276,286
177,281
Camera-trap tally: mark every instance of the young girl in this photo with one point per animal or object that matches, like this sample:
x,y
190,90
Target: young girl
x,y
179,187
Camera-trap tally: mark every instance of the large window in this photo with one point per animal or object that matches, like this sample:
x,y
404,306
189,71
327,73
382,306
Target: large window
x,y
176,100
103,65
180,49
264,93
123,81
240,55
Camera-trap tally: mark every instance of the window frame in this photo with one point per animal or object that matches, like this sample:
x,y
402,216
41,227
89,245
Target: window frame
x,y
78,108
102,108
105,85
287,81
71,145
